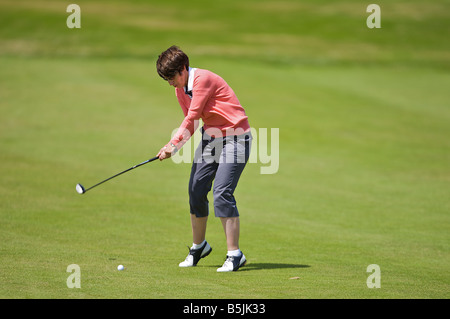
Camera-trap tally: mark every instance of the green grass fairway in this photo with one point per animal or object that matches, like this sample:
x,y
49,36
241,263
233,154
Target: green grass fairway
x,y
364,150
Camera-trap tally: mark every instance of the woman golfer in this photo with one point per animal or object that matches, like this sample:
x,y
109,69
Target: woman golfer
x,y
220,157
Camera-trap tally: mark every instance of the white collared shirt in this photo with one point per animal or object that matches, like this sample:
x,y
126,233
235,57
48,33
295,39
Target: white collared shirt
x,y
188,89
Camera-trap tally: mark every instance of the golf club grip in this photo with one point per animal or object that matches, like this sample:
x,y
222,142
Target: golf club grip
x,y
145,162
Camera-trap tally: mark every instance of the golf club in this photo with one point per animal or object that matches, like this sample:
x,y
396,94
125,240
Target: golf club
x,y
81,190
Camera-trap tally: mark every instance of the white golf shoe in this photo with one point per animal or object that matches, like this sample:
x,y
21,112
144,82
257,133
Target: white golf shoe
x,y
233,263
195,255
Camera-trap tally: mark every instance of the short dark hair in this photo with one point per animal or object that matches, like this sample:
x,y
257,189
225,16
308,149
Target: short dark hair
x,y
171,62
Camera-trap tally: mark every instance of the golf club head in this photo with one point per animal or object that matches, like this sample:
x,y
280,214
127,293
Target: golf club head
x,y
80,189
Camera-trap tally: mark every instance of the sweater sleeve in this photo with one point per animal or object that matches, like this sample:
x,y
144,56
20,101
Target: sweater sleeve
x,y
202,90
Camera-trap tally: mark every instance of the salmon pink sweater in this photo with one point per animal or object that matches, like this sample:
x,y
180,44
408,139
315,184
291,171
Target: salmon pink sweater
x,y
209,97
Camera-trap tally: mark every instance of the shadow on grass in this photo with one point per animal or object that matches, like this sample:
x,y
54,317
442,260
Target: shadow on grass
x,y
259,266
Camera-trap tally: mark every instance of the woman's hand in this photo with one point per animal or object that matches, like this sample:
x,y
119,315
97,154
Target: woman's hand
x,y
166,152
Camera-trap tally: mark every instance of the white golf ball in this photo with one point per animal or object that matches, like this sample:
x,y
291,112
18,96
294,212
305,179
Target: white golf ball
x,y
120,267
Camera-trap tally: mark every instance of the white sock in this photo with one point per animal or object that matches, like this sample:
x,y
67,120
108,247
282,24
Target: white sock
x,y
234,253
197,246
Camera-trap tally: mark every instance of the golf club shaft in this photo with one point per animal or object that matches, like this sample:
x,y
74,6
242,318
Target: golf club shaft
x,y
135,166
